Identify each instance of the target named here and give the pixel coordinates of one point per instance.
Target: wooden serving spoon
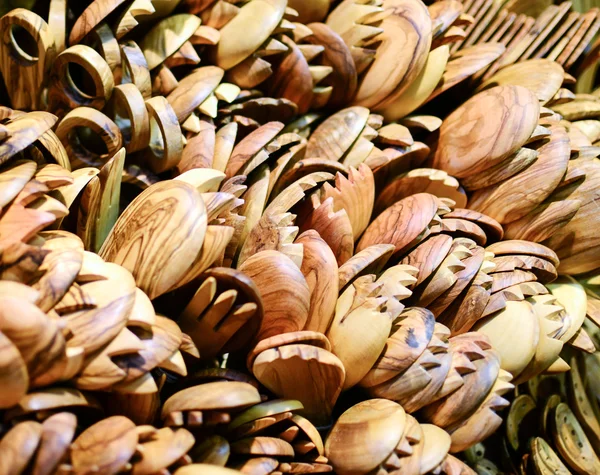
(283, 289)
(181, 210)
(364, 436)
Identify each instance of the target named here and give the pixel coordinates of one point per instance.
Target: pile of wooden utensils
(298, 236)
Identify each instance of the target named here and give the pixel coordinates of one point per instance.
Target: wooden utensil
(283, 289)
(376, 425)
(484, 153)
(313, 374)
(183, 211)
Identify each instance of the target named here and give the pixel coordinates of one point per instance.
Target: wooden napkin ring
(128, 110)
(134, 69)
(166, 140)
(94, 93)
(91, 122)
(26, 53)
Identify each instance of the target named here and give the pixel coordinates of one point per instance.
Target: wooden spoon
(496, 136)
(283, 289)
(180, 209)
(364, 436)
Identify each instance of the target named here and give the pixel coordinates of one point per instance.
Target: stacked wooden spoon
(276, 236)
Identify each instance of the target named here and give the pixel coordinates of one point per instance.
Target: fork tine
(219, 309)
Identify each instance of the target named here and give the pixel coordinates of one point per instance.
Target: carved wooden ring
(128, 111)
(134, 68)
(97, 122)
(25, 71)
(166, 141)
(95, 66)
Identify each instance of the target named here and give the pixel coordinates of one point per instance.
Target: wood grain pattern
(169, 218)
(576, 243)
(57, 21)
(250, 146)
(200, 149)
(292, 78)
(135, 68)
(166, 140)
(167, 36)
(66, 93)
(320, 270)
(127, 21)
(258, 20)
(166, 339)
(420, 180)
(409, 337)
(18, 446)
(100, 124)
(107, 445)
(371, 260)
(343, 79)
(541, 76)
(543, 222)
(163, 450)
(462, 403)
(61, 269)
(23, 130)
(503, 119)
(485, 421)
(283, 290)
(391, 73)
(517, 318)
(401, 223)
(359, 329)
(57, 433)
(99, 206)
(355, 194)
(103, 40)
(312, 375)
(91, 16)
(334, 137)
(372, 428)
(421, 88)
(128, 110)
(506, 203)
(506, 169)
(193, 89)
(212, 396)
(25, 75)
(571, 441)
(13, 178)
(334, 228)
(21, 224)
(13, 373)
(465, 63)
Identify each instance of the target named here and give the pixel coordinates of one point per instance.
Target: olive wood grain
(320, 270)
(167, 36)
(312, 375)
(181, 209)
(505, 118)
(25, 74)
(283, 289)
